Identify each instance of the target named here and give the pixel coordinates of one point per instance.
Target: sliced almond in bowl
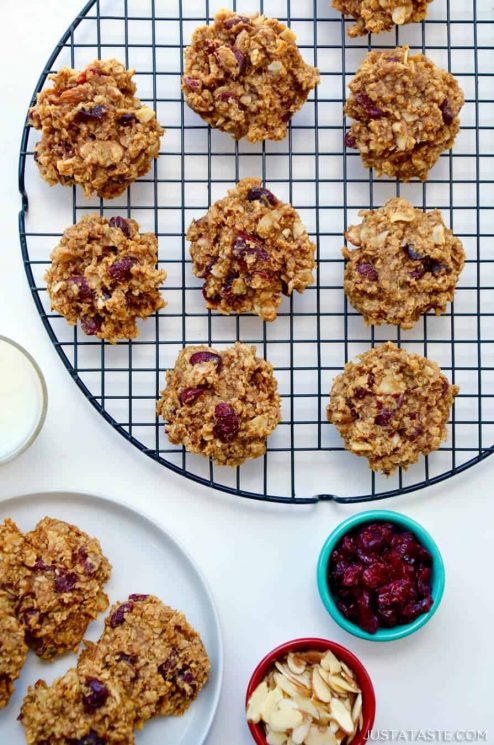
(296, 664)
(341, 715)
(343, 683)
(320, 687)
(256, 702)
(271, 702)
(284, 720)
(320, 736)
(299, 734)
(331, 663)
(308, 698)
(275, 738)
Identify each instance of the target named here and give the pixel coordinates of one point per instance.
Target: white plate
(145, 559)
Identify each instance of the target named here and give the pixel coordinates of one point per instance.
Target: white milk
(21, 400)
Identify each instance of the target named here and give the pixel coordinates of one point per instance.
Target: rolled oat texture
(405, 263)
(391, 407)
(13, 649)
(405, 112)
(103, 273)
(62, 591)
(94, 131)
(153, 654)
(78, 709)
(374, 16)
(223, 405)
(250, 249)
(245, 76)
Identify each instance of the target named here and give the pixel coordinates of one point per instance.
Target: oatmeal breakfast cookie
(391, 406)
(221, 404)
(245, 75)
(11, 567)
(62, 590)
(103, 272)
(95, 132)
(13, 649)
(151, 650)
(406, 113)
(374, 16)
(406, 263)
(250, 248)
(78, 709)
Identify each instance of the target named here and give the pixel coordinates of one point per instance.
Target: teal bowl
(438, 574)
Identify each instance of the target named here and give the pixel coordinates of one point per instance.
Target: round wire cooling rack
(317, 332)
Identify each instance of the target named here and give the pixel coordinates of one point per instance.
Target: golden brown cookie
(95, 132)
(13, 649)
(11, 568)
(374, 16)
(103, 272)
(63, 588)
(406, 113)
(221, 404)
(245, 75)
(250, 248)
(407, 262)
(153, 653)
(78, 709)
(391, 406)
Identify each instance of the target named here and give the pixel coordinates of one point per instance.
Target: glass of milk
(23, 399)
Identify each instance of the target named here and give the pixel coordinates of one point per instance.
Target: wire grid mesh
(317, 332)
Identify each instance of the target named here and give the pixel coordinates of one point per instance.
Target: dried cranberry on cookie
(221, 404)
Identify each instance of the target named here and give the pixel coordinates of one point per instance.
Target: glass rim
(44, 400)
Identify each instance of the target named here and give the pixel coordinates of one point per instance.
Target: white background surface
(259, 559)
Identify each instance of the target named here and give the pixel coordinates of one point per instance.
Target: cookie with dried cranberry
(11, 567)
(78, 709)
(221, 404)
(246, 76)
(103, 273)
(406, 113)
(391, 407)
(250, 248)
(95, 132)
(374, 16)
(154, 653)
(62, 590)
(13, 649)
(406, 263)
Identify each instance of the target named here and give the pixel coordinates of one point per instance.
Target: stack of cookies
(148, 662)
(51, 587)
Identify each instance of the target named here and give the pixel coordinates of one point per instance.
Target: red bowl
(298, 645)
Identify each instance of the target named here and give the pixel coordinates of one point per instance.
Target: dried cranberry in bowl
(376, 579)
(380, 575)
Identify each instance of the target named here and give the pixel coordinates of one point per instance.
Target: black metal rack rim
(154, 454)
